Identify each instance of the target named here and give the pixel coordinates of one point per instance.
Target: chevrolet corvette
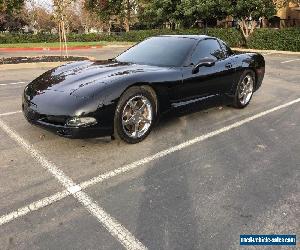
(124, 97)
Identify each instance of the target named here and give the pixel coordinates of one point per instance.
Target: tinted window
(209, 48)
(159, 51)
(226, 49)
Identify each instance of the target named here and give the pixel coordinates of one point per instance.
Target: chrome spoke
(145, 120)
(244, 99)
(129, 121)
(132, 105)
(142, 108)
(136, 130)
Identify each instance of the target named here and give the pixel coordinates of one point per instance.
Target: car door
(208, 80)
(231, 64)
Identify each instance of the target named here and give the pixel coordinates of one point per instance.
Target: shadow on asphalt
(166, 218)
(174, 115)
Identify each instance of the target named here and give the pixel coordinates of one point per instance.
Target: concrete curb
(283, 52)
(119, 46)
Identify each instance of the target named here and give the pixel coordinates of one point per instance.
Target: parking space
(22, 180)
(240, 175)
(208, 194)
(63, 225)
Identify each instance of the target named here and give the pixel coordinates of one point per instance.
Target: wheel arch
(161, 97)
(256, 63)
(242, 70)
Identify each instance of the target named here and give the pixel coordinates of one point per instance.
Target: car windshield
(159, 51)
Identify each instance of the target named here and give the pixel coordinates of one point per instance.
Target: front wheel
(244, 90)
(135, 114)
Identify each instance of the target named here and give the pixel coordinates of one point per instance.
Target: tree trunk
(60, 7)
(127, 16)
(109, 27)
(126, 25)
(65, 39)
(60, 39)
(247, 29)
(173, 25)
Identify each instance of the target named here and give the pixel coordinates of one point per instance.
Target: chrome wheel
(246, 90)
(137, 116)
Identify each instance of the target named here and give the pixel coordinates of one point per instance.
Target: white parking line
(113, 226)
(12, 83)
(294, 60)
(10, 113)
(181, 146)
(33, 207)
(122, 170)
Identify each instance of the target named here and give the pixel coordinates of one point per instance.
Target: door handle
(228, 65)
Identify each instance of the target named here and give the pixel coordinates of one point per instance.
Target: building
(289, 16)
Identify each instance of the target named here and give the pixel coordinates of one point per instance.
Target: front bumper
(56, 125)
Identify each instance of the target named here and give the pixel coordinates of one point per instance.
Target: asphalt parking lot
(197, 182)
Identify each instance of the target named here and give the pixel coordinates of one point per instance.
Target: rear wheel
(135, 114)
(244, 90)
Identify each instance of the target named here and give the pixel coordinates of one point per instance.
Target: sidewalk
(283, 52)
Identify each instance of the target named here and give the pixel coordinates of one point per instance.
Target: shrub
(6, 38)
(284, 39)
(272, 39)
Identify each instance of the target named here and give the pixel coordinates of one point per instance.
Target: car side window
(227, 51)
(209, 48)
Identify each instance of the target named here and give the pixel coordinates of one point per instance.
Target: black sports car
(124, 96)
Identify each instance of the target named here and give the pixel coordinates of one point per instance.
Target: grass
(56, 45)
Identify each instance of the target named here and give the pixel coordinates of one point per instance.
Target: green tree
(205, 10)
(126, 14)
(10, 18)
(163, 11)
(248, 12)
(105, 9)
(9, 6)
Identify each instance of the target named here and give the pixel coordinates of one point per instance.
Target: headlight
(81, 121)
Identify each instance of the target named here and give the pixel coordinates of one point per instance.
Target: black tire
(120, 131)
(238, 103)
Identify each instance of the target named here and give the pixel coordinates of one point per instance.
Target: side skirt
(192, 101)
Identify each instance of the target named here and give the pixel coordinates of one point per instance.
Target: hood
(83, 78)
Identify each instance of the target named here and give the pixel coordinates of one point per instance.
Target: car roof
(195, 37)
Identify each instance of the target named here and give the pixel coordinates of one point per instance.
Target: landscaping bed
(38, 59)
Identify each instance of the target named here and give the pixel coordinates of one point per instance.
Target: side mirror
(206, 62)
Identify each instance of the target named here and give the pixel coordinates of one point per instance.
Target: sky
(47, 4)
(44, 3)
